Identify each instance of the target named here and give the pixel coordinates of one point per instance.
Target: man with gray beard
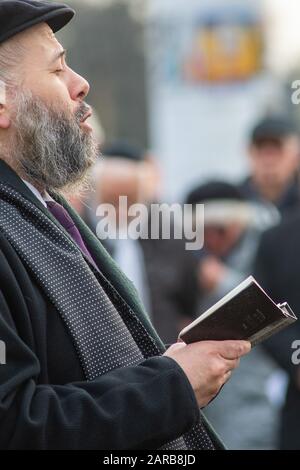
(81, 354)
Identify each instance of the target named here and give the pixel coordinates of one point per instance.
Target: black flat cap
(18, 15)
(123, 149)
(273, 128)
(213, 191)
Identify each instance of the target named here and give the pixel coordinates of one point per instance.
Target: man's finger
(231, 363)
(234, 349)
(227, 376)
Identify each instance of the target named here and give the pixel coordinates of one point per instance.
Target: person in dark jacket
(274, 164)
(277, 268)
(81, 353)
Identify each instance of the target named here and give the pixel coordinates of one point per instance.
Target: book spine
(270, 330)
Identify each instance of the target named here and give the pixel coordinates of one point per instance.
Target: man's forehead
(48, 35)
(47, 32)
(42, 36)
(119, 166)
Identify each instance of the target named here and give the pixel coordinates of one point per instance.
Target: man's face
(118, 178)
(221, 239)
(51, 144)
(46, 74)
(275, 162)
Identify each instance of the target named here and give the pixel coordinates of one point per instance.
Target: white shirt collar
(42, 199)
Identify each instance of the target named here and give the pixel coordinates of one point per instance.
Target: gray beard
(49, 148)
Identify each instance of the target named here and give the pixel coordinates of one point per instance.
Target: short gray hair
(10, 55)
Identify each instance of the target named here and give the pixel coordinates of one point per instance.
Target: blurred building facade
(209, 80)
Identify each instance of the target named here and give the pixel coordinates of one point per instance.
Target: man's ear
(4, 113)
(4, 117)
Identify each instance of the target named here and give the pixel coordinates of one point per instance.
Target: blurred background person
(274, 164)
(232, 231)
(244, 415)
(278, 269)
(160, 269)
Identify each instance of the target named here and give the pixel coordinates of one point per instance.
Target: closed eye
(60, 56)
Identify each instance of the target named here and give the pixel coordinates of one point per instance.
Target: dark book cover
(246, 313)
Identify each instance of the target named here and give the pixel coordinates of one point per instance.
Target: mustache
(82, 110)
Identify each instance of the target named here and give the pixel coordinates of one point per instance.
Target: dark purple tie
(63, 217)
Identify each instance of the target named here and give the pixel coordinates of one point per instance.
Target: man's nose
(79, 87)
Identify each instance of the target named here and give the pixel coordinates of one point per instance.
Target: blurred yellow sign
(224, 52)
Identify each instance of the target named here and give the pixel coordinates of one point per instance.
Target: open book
(245, 313)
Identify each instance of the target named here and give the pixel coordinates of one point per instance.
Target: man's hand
(208, 364)
(210, 273)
